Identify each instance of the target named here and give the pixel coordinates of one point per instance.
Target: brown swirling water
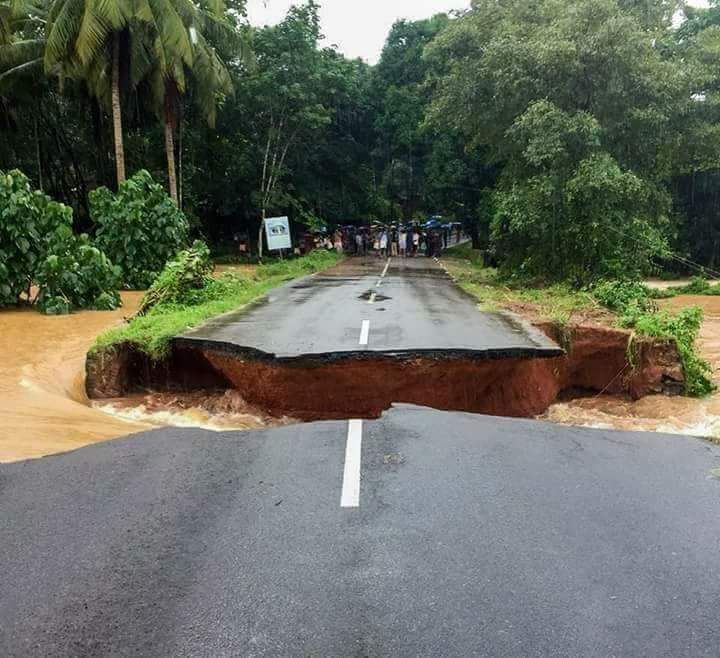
(43, 405)
(682, 415)
(44, 409)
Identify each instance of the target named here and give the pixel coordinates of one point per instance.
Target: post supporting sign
(277, 230)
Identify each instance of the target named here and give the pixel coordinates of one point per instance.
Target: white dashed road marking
(384, 272)
(351, 476)
(364, 332)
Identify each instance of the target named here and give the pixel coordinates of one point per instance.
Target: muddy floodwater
(44, 409)
(657, 412)
(43, 406)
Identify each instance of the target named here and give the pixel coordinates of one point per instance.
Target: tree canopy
(577, 139)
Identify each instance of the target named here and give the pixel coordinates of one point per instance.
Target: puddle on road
(378, 297)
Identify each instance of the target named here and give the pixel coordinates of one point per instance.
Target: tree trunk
(170, 148)
(260, 234)
(38, 155)
(116, 111)
(180, 158)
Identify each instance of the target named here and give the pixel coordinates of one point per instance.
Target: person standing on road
(359, 243)
(384, 243)
(394, 241)
(402, 242)
(415, 242)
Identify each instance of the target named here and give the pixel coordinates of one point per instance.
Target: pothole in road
(375, 295)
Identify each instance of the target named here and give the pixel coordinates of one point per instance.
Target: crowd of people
(404, 241)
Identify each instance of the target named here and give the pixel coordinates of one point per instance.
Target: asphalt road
(465, 535)
(396, 306)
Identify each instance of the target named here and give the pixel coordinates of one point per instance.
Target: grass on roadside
(557, 302)
(628, 304)
(153, 332)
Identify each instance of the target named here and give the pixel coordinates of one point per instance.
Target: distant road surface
(423, 533)
(369, 305)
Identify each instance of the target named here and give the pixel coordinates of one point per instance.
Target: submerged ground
(44, 409)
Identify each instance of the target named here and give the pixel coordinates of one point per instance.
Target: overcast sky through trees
(358, 27)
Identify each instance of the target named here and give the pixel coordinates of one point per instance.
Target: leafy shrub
(632, 301)
(181, 279)
(619, 295)
(37, 245)
(139, 228)
(697, 286)
(683, 327)
(27, 218)
(75, 274)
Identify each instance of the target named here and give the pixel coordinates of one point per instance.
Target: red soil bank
(364, 386)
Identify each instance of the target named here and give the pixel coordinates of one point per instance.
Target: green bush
(684, 328)
(697, 286)
(632, 301)
(181, 279)
(75, 274)
(27, 217)
(37, 245)
(619, 295)
(139, 228)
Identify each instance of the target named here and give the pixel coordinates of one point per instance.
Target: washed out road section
(372, 306)
(472, 536)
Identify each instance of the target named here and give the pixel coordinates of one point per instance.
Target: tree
(179, 46)
(91, 41)
(401, 95)
(556, 93)
(285, 89)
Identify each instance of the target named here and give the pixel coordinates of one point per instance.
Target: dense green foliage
(181, 278)
(683, 327)
(620, 295)
(577, 139)
(25, 217)
(139, 228)
(633, 303)
(37, 246)
(75, 274)
(152, 332)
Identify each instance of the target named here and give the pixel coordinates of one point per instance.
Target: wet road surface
(396, 306)
(422, 533)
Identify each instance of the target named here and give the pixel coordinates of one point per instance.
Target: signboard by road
(277, 230)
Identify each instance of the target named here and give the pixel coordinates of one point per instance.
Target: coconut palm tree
(182, 49)
(21, 40)
(91, 39)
